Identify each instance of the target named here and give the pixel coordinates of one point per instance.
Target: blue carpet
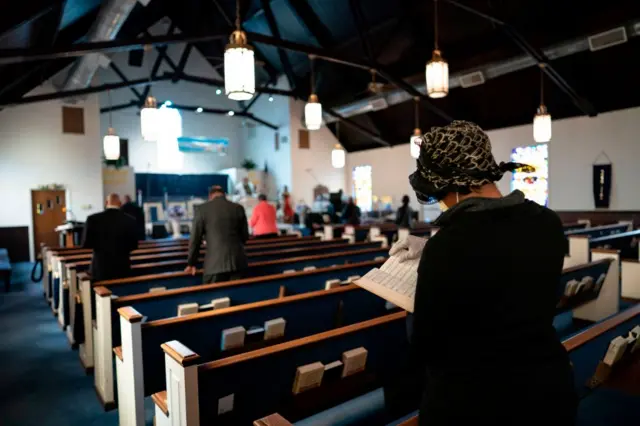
(41, 380)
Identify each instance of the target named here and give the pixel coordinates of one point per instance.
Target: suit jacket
(137, 213)
(224, 224)
(112, 236)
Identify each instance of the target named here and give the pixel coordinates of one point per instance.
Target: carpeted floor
(41, 380)
(43, 384)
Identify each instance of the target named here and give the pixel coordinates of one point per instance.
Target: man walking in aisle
(225, 225)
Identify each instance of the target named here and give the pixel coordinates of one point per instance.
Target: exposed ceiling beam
(124, 78)
(23, 13)
(220, 111)
(220, 83)
(80, 92)
(133, 103)
(538, 55)
(284, 58)
(183, 60)
(310, 20)
(358, 20)
(357, 127)
(162, 54)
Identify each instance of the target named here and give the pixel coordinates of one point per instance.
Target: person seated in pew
(351, 213)
(263, 219)
(483, 343)
(112, 236)
(225, 225)
(403, 215)
(136, 212)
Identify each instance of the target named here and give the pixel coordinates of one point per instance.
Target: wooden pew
(174, 261)
(255, 383)
(103, 334)
(578, 241)
(305, 314)
(586, 350)
(574, 226)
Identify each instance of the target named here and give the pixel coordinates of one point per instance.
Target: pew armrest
(102, 291)
(160, 399)
(130, 314)
(272, 420)
(180, 353)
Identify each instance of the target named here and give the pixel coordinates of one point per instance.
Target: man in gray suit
(225, 225)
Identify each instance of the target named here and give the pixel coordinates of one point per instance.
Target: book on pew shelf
(329, 284)
(354, 361)
(332, 371)
(309, 268)
(615, 351)
(289, 271)
(352, 278)
(394, 281)
(223, 302)
(188, 309)
(274, 328)
(600, 281)
(587, 282)
(157, 289)
(308, 377)
(571, 287)
(636, 331)
(232, 338)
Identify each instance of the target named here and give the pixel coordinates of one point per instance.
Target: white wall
(143, 155)
(259, 144)
(34, 151)
(312, 166)
(575, 145)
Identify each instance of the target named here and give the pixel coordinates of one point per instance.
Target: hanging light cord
(109, 96)
(313, 75)
(338, 130)
(238, 15)
(541, 84)
(435, 23)
(416, 113)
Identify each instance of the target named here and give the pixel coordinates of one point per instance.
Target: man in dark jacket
(351, 213)
(112, 236)
(404, 213)
(226, 228)
(483, 340)
(135, 211)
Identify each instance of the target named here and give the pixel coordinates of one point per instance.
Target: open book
(394, 282)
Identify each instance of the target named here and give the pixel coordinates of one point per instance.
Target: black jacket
(483, 332)
(226, 229)
(112, 236)
(403, 216)
(136, 212)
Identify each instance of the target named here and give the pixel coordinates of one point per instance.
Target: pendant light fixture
(149, 121)
(239, 64)
(542, 119)
(416, 138)
(437, 71)
(111, 141)
(338, 156)
(313, 108)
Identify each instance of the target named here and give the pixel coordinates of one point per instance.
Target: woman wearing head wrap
(482, 330)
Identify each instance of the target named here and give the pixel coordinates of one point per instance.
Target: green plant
(248, 164)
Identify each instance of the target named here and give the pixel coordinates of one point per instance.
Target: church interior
(315, 110)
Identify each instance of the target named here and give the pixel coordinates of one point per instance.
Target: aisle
(42, 382)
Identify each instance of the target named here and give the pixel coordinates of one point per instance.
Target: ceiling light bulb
(270, 98)
(218, 91)
(313, 113)
(338, 157)
(414, 143)
(437, 75)
(239, 68)
(542, 125)
(231, 113)
(199, 110)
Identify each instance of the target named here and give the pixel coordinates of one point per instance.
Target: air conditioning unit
(472, 79)
(372, 105)
(608, 39)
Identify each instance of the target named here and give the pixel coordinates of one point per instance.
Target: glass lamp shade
(313, 113)
(414, 143)
(542, 125)
(338, 157)
(111, 145)
(149, 120)
(239, 68)
(169, 122)
(437, 75)
(169, 155)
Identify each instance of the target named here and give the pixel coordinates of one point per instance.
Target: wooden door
(48, 209)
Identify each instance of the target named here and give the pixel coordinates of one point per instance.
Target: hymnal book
(395, 281)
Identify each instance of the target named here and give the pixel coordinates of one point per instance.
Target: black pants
(272, 235)
(222, 276)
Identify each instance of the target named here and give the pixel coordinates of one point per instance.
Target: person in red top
(263, 219)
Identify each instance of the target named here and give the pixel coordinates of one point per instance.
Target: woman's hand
(408, 248)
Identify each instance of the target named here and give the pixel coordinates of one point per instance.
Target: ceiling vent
(472, 79)
(608, 39)
(375, 104)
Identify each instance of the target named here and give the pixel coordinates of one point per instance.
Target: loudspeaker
(136, 57)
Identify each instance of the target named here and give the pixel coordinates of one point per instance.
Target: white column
(608, 301)
(181, 369)
(130, 370)
(46, 267)
(73, 286)
(103, 348)
(86, 348)
(64, 282)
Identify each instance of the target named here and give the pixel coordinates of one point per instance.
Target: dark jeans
(272, 235)
(222, 276)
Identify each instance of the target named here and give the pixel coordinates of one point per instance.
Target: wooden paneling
(599, 217)
(48, 209)
(16, 240)
(303, 139)
(73, 120)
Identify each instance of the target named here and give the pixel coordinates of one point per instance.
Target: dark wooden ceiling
(395, 34)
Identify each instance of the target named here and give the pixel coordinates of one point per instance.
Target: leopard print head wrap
(454, 157)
